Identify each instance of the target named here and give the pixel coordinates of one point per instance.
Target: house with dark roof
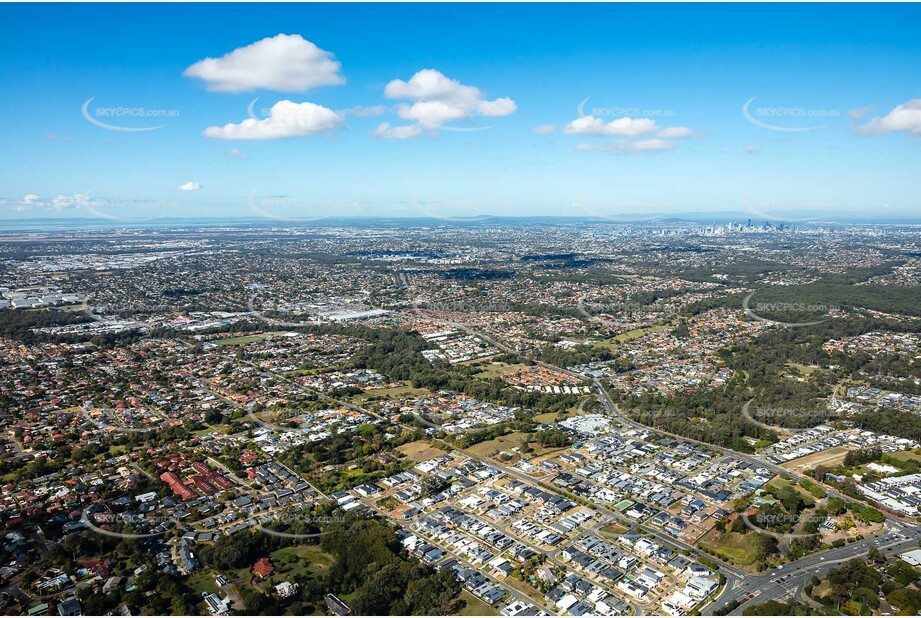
(70, 607)
(336, 605)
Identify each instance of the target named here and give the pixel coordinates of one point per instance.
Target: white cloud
(438, 99)
(904, 117)
(433, 85)
(59, 202)
(595, 147)
(649, 145)
(285, 62)
(678, 133)
(234, 152)
(860, 113)
(500, 107)
(644, 145)
(626, 126)
(432, 113)
(65, 202)
(189, 186)
(544, 129)
(27, 202)
(286, 119)
(362, 111)
(405, 132)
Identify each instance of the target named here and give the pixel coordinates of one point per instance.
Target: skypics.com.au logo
(783, 118)
(787, 307)
(122, 118)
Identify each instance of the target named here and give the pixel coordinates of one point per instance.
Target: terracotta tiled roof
(263, 567)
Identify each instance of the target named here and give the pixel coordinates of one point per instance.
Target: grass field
(420, 451)
(523, 587)
(781, 483)
(203, 581)
(550, 417)
(311, 371)
(830, 458)
(388, 504)
(397, 391)
(906, 456)
(475, 607)
(736, 546)
(497, 369)
(242, 340)
(240, 578)
(506, 443)
(630, 336)
(490, 448)
(218, 429)
(613, 531)
(806, 370)
(294, 561)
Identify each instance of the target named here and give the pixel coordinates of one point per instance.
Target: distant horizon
(701, 218)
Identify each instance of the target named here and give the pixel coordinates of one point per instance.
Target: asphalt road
(787, 580)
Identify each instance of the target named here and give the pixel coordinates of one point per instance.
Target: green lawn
(395, 392)
(737, 547)
(631, 335)
(475, 607)
(550, 417)
(293, 561)
(906, 456)
(203, 581)
(613, 531)
(311, 371)
(241, 340)
(779, 483)
(494, 369)
(506, 443)
(805, 370)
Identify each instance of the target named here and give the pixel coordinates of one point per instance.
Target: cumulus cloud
(905, 117)
(189, 186)
(643, 145)
(27, 202)
(649, 145)
(384, 131)
(285, 119)
(544, 129)
(432, 113)
(626, 126)
(678, 133)
(285, 62)
(634, 131)
(362, 111)
(437, 99)
(66, 202)
(85, 201)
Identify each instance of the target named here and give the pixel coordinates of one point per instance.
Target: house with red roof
(263, 567)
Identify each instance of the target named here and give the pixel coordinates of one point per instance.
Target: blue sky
(662, 130)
